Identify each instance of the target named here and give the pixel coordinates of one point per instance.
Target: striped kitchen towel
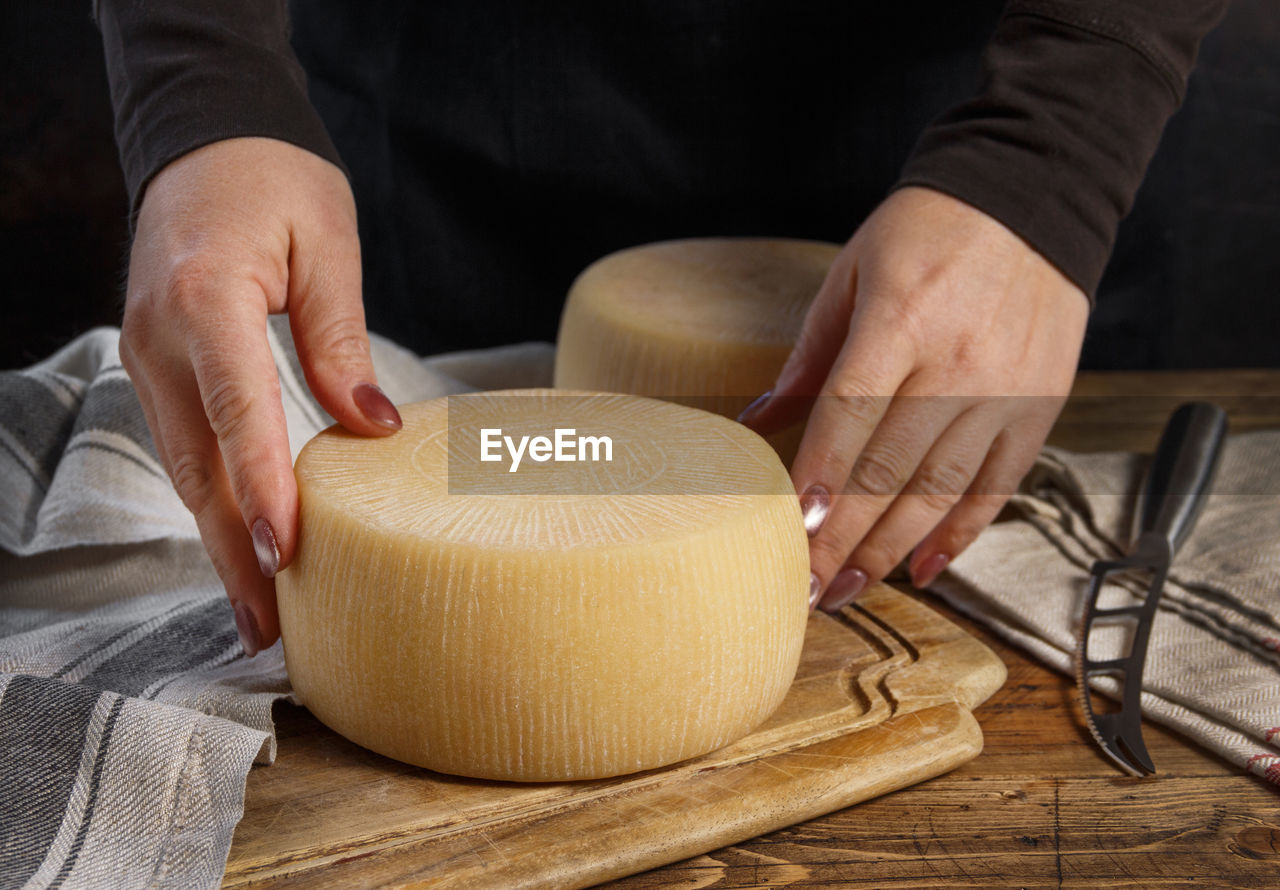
(129, 716)
(1213, 662)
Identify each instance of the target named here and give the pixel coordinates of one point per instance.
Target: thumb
(822, 336)
(326, 315)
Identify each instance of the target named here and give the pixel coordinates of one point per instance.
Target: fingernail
(815, 503)
(375, 405)
(750, 412)
(247, 628)
(815, 590)
(844, 587)
(265, 548)
(924, 574)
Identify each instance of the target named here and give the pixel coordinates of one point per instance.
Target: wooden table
(1040, 807)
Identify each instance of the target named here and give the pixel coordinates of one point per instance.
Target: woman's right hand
(226, 235)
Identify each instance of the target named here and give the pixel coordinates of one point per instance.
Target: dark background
(1194, 282)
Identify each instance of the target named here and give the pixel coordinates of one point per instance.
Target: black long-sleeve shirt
(495, 148)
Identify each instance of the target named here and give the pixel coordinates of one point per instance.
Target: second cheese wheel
(568, 620)
(706, 322)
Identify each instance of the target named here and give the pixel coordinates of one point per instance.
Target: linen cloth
(129, 716)
(1213, 660)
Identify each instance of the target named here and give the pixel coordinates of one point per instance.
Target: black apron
(497, 148)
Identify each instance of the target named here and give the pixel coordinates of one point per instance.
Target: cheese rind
(705, 322)
(596, 625)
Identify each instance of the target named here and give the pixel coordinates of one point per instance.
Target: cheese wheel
(572, 619)
(704, 322)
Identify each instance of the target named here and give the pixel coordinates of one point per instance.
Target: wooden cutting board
(882, 700)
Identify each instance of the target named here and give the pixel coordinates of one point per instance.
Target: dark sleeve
(185, 73)
(1073, 99)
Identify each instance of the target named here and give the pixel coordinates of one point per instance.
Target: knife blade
(1173, 493)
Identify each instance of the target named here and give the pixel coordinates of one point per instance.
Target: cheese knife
(1173, 493)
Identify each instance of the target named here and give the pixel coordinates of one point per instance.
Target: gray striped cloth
(129, 716)
(1213, 660)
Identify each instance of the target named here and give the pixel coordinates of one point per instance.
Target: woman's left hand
(941, 348)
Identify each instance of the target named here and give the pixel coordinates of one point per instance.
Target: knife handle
(1181, 472)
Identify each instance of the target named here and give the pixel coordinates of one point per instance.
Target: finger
(327, 319)
(936, 487)
(872, 362)
(806, 368)
(189, 452)
(240, 392)
(142, 388)
(199, 475)
(897, 449)
(1012, 454)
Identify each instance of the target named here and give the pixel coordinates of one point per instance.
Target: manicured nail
(375, 405)
(265, 548)
(815, 503)
(247, 627)
(844, 587)
(924, 574)
(815, 590)
(750, 412)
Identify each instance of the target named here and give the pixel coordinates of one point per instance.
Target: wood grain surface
(881, 701)
(1040, 807)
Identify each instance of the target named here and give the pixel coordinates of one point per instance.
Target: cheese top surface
(743, 290)
(673, 471)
